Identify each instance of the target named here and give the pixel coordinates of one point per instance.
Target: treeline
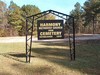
(13, 17)
(87, 17)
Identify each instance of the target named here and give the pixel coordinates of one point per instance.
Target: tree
(3, 19)
(91, 12)
(28, 10)
(49, 17)
(77, 13)
(2, 12)
(14, 17)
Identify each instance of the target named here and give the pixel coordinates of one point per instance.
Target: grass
(49, 58)
(11, 47)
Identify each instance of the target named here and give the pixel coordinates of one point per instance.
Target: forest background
(13, 18)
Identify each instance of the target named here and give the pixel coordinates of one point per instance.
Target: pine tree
(77, 13)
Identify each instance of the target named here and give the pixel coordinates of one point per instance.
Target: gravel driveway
(22, 39)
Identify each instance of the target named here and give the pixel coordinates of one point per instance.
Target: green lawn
(49, 58)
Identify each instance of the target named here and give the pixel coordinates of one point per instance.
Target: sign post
(50, 29)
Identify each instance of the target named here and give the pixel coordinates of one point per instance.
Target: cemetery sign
(50, 29)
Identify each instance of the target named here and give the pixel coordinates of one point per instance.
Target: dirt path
(22, 39)
(11, 39)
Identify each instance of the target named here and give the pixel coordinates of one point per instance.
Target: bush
(8, 32)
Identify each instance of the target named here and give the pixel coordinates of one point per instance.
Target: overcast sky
(64, 6)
